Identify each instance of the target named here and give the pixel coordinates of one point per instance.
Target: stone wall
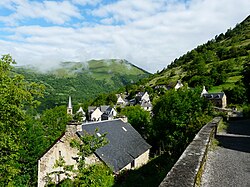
(47, 161)
(142, 159)
(61, 148)
(186, 170)
(138, 162)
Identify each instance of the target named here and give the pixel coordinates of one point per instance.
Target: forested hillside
(217, 64)
(82, 81)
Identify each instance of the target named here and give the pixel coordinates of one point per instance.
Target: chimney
(73, 127)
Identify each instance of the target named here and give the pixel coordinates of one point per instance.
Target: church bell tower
(69, 108)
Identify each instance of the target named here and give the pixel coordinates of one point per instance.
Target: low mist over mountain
(82, 80)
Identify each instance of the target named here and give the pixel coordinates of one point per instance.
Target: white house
(120, 100)
(178, 85)
(146, 105)
(109, 112)
(126, 149)
(82, 114)
(95, 114)
(142, 96)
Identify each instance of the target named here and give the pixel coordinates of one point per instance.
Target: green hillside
(83, 81)
(218, 64)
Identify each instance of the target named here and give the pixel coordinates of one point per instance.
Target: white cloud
(52, 11)
(129, 10)
(153, 33)
(86, 2)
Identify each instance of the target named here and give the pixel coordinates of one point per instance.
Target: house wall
(142, 159)
(120, 101)
(138, 162)
(145, 97)
(61, 147)
(47, 161)
(224, 101)
(149, 109)
(113, 112)
(96, 115)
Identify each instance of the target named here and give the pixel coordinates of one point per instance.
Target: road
(228, 165)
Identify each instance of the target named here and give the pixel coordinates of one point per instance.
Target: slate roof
(104, 108)
(125, 143)
(140, 94)
(216, 96)
(91, 109)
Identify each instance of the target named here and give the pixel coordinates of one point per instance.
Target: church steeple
(69, 108)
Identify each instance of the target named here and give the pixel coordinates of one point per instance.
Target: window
(57, 178)
(60, 154)
(133, 164)
(98, 134)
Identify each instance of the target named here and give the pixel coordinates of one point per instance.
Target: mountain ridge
(83, 81)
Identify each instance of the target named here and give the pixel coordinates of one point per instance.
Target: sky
(147, 33)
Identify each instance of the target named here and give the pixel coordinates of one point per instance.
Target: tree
(237, 94)
(88, 144)
(54, 122)
(92, 175)
(139, 119)
(111, 99)
(16, 95)
(246, 78)
(178, 115)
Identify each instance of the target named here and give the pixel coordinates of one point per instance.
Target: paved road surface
(229, 163)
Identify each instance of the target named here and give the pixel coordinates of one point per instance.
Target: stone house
(126, 149)
(218, 99)
(60, 148)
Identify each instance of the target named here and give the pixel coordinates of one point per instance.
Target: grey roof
(91, 109)
(139, 95)
(109, 109)
(125, 143)
(104, 108)
(218, 95)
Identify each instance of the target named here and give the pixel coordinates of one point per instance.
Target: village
(126, 149)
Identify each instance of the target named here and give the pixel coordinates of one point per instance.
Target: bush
(246, 111)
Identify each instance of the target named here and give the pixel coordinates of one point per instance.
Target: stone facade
(138, 162)
(61, 148)
(47, 161)
(124, 143)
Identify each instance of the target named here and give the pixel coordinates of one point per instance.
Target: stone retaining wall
(187, 169)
